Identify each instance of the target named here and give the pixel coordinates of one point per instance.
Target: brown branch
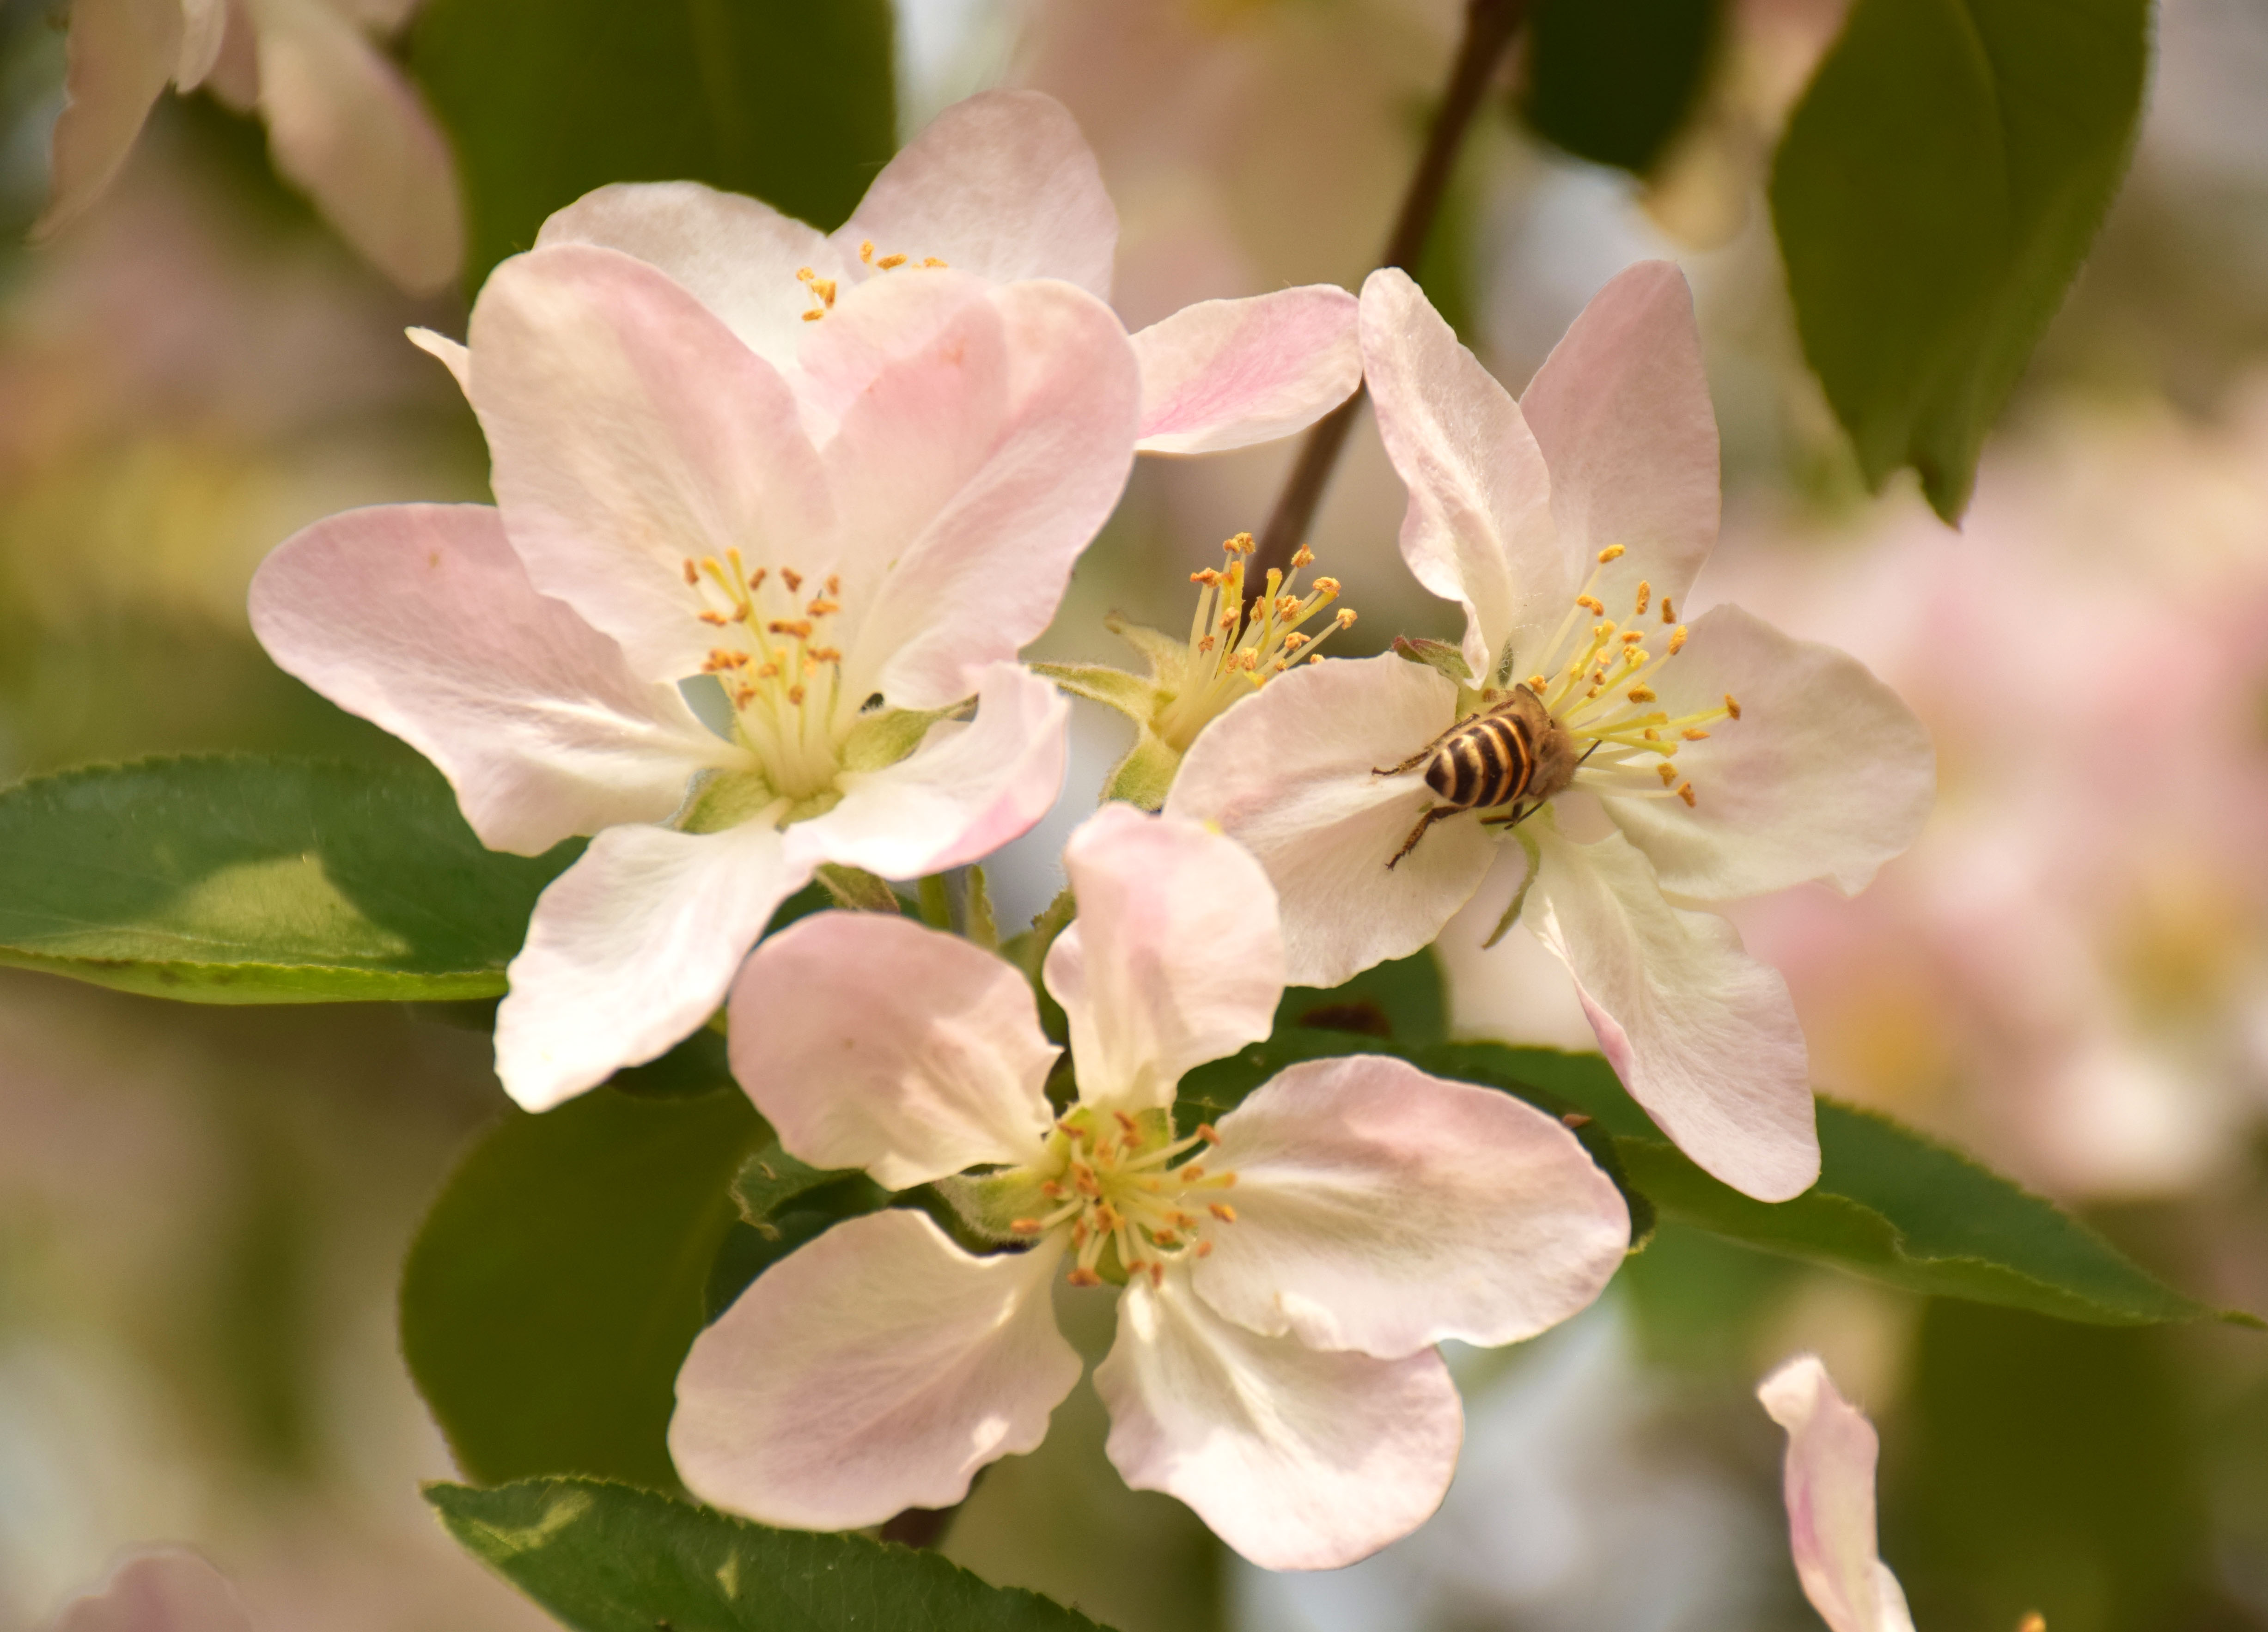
(1490, 25)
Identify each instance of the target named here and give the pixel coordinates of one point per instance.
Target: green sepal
(725, 800)
(1519, 896)
(1438, 655)
(990, 1204)
(1145, 775)
(856, 890)
(771, 1178)
(983, 929)
(879, 740)
(1137, 698)
(1167, 657)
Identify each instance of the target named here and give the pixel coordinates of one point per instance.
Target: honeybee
(1511, 752)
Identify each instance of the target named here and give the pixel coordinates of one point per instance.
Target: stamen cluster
(822, 290)
(779, 661)
(1129, 1209)
(1234, 649)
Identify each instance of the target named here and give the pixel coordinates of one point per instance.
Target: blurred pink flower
(342, 122)
(1829, 1485)
(663, 516)
(1275, 1365)
(1733, 763)
(166, 1590)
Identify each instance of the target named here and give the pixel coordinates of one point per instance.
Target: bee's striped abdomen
(1487, 762)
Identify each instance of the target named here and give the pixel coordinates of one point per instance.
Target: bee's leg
(1520, 814)
(1425, 752)
(1434, 813)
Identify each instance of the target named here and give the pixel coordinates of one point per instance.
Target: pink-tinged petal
(204, 26)
(631, 949)
(1382, 1210)
(1702, 1034)
(1299, 1458)
(1288, 774)
(1174, 958)
(738, 255)
(965, 792)
(345, 125)
(419, 618)
(971, 472)
(118, 56)
(1002, 185)
(1829, 1485)
(868, 1040)
(1826, 775)
(1479, 529)
(630, 431)
(873, 1371)
(449, 353)
(1227, 373)
(164, 1589)
(1621, 409)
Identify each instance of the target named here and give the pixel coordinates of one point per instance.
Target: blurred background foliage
(203, 1212)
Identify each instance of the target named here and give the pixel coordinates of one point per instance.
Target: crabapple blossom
(1830, 1486)
(343, 123)
(1275, 1365)
(1663, 764)
(664, 519)
(1001, 186)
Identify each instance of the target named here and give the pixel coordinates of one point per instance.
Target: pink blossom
(1830, 1486)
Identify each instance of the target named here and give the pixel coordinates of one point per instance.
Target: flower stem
(1490, 27)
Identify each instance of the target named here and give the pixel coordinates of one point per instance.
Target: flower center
(822, 290)
(1234, 649)
(1128, 1209)
(1601, 697)
(774, 660)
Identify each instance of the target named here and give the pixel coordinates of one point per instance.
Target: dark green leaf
(1935, 192)
(696, 1066)
(1612, 81)
(545, 99)
(606, 1559)
(771, 1178)
(1402, 1001)
(553, 1290)
(240, 879)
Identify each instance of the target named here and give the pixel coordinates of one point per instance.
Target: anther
(1204, 1249)
(1640, 694)
(795, 696)
(793, 579)
(1206, 1132)
(1084, 1277)
(1668, 773)
(890, 263)
(1631, 637)
(1693, 733)
(1645, 594)
(1731, 707)
(1685, 792)
(867, 250)
(1613, 551)
(1590, 604)
(1023, 1226)
(1677, 640)
(1223, 1211)
(798, 627)
(1651, 735)
(932, 261)
(692, 573)
(1241, 544)
(1327, 588)
(715, 619)
(1126, 1124)
(834, 582)
(1536, 683)
(1191, 1174)
(1347, 617)
(1303, 557)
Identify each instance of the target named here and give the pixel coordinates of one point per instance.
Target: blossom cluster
(776, 513)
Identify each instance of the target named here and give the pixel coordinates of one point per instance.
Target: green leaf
(242, 879)
(1402, 1001)
(1936, 190)
(771, 1178)
(1612, 81)
(606, 1559)
(552, 1292)
(545, 99)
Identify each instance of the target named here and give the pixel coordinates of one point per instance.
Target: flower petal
(868, 1040)
(1002, 185)
(1227, 373)
(1174, 958)
(119, 56)
(1826, 774)
(420, 618)
(965, 792)
(1299, 1458)
(630, 431)
(1702, 1034)
(1479, 529)
(163, 1590)
(1382, 1210)
(631, 949)
(875, 1370)
(449, 354)
(204, 26)
(1621, 409)
(1288, 774)
(970, 473)
(1831, 1451)
(738, 255)
(344, 124)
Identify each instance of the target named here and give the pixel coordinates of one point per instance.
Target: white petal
(1621, 409)
(164, 1589)
(347, 125)
(738, 255)
(419, 618)
(630, 950)
(204, 25)
(1383, 1210)
(873, 1371)
(630, 431)
(1227, 373)
(1001, 184)
(965, 792)
(868, 1040)
(1702, 1034)
(1479, 529)
(119, 54)
(1826, 774)
(1288, 774)
(1174, 958)
(1299, 1458)
(449, 353)
(1829, 1480)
